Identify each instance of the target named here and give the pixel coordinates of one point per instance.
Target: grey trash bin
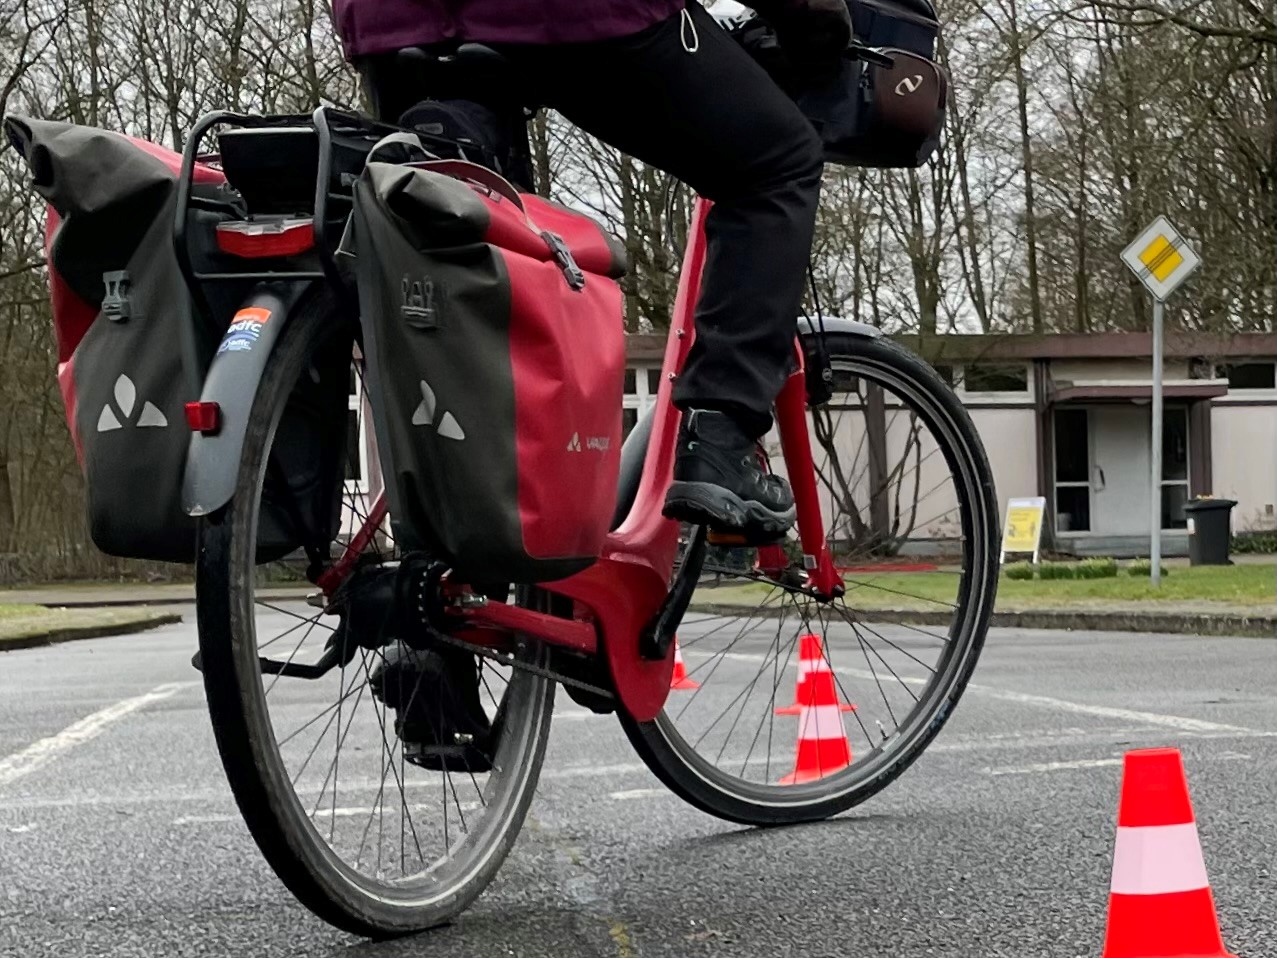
(1209, 531)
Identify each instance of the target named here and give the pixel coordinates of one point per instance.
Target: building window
(642, 383)
(1174, 467)
(1072, 471)
(978, 378)
(357, 430)
(1248, 375)
(996, 378)
(354, 436)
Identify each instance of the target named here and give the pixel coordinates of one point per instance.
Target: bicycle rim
(917, 558)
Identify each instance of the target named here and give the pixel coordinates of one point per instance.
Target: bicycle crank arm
(331, 659)
(289, 670)
(657, 638)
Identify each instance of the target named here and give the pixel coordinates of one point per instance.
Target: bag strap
(399, 138)
(465, 170)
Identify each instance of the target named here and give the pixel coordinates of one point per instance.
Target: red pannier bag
(494, 338)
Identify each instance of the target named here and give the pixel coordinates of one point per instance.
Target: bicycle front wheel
(911, 517)
(348, 814)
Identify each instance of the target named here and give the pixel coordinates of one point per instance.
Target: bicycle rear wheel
(911, 516)
(368, 840)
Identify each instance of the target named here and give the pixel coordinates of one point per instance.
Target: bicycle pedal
(448, 758)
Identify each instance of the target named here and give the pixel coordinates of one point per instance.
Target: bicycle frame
(617, 598)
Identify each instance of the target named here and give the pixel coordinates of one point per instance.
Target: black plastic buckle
(115, 304)
(858, 51)
(563, 256)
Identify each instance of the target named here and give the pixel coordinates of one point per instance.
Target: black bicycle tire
(241, 721)
(662, 758)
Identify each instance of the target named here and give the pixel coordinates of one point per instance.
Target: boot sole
(705, 504)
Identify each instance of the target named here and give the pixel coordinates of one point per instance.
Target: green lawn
(17, 610)
(21, 623)
(1241, 585)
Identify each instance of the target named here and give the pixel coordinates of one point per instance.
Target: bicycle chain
(431, 613)
(514, 663)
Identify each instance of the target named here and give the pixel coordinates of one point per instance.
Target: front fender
(849, 327)
(212, 462)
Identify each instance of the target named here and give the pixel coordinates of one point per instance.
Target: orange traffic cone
(680, 681)
(1160, 905)
(811, 658)
(822, 741)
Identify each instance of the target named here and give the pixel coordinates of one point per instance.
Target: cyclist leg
(685, 98)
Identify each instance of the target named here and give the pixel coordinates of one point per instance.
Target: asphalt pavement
(118, 834)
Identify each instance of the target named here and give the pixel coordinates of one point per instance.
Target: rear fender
(212, 463)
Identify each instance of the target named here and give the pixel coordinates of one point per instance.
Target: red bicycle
(890, 478)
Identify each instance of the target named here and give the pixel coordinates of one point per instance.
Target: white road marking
(1054, 766)
(572, 715)
(38, 754)
(633, 793)
(1199, 726)
(355, 812)
(1177, 722)
(1085, 763)
(222, 818)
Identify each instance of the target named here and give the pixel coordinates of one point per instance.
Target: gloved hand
(813, 33)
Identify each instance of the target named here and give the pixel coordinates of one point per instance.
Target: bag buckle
(115, 304)
(563, 256)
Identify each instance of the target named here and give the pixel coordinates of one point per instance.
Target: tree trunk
(1026, 157)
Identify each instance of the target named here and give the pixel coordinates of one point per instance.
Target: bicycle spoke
(288, 738)
(305, 620)
(769, 713)
(741, 696)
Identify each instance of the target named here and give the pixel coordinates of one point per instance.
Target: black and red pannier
(494, 336)
(118, 304)
(119, 307)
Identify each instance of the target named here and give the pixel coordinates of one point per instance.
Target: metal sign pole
(1162, 259)
(1155, 443)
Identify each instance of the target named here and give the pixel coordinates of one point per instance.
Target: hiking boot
(719, 482)
(438, 715)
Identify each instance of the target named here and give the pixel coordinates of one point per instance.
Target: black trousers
(686, 99)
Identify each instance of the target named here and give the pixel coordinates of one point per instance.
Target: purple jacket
(380, 26)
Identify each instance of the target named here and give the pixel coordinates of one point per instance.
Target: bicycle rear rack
(342, 141)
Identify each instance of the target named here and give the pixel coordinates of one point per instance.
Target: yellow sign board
(1023, 530)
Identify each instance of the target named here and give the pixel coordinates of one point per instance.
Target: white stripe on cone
(807, 666)
(1158, 860)
(821, 722)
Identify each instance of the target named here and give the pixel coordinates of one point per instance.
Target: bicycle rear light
(261, 239)
(203, 417)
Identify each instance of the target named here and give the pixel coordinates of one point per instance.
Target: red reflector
(203, 417)
(258, 239)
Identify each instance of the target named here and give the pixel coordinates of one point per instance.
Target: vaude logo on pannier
(125, 400)
(424, 415)
(909, 85)
(592, 443)
(418, 307)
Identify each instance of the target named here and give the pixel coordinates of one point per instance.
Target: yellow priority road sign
(1161, 258)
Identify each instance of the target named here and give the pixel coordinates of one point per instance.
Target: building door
(1072, 470)
(1119, 470)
